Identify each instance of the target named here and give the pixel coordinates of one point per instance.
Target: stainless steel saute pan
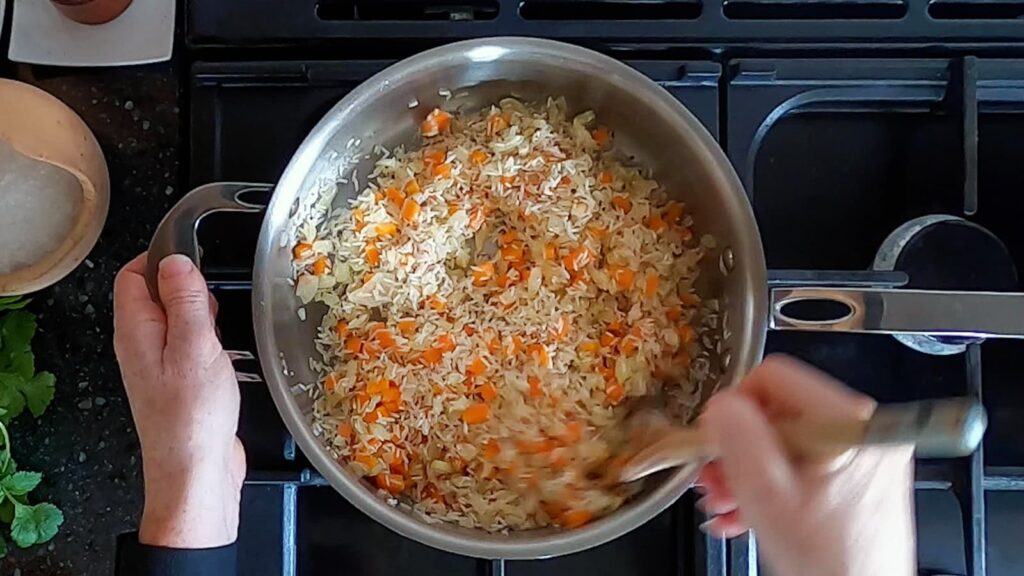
(648, 123)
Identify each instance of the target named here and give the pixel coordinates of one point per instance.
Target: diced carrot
(491, 450)
(378, 196)
(685, 234)
(376, 387)
(686, 333)
(482, 273)
(591, 347)
(436, 303)
(574, 518)
(540, 355)
(391, 394)
(614, 393)
(488, 392)
(341, 329)
(395, 196)
(412, 188)
(673, 212)
(577, 259)
(496, 123)
(507, 237)
(651, 285)
(301, 250)
(393, 483)
(368, 461)
(573, 433)
(476, 218)
(607, 339)
(330, 383)
(436, 122)
(320, 266)
(493, 345)
(507, 180)
(385, 339)
(386, 229)
(536, 446)
(433, 157)
(535, 389)
(601, 135)
(371, 349)
(406, 327)
(345, 430)
(598, 232)
(623, 276)
(353, 345)
(478, 157)
(431, 356)
(476, 413)
(689, 299)
(503, 280)
(362, 400)
(410, 210)
(615, 327)
(656, 223)
(512, 253)
(674, 313)
(469, 330)
(550, 251)
(623, 203)
(372, 255)
(445, 343)
(477, 366)
(628, 346)
(604, 177)
(377, 413)
(359, 217)
(517, 345)
(443, 170)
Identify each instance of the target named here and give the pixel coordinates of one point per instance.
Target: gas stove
(845, 121)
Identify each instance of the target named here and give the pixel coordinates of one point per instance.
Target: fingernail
(705, 526)
(175, 265)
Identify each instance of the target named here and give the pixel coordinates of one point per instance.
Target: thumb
(756, 468)
(186, 302)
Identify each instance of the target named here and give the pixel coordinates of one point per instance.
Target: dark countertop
(85, 443)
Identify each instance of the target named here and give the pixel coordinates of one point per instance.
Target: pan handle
(899, 311)
(176, 233)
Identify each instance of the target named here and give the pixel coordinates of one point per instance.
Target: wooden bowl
(43, 128)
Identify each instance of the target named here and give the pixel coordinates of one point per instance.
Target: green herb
(30, 523)
(20, 385)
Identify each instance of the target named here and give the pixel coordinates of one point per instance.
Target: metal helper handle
(898, 311)
(176, 233)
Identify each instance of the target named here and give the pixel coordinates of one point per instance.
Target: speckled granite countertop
(85, 444)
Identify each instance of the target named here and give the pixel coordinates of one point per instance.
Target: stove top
(835, 153)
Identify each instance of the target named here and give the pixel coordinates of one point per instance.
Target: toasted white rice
(476, 367)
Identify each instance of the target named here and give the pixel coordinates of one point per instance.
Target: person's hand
(184, 399)
(851, 515)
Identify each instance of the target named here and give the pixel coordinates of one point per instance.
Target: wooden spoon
(946, 428)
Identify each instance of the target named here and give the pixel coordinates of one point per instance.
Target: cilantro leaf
(17, 329)
(13, 303)
(23, 363)
(7, 512)
(38, 392)
(12, 401)
(35, 524)
(20, 483)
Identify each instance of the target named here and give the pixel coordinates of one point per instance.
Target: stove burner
(942, 252)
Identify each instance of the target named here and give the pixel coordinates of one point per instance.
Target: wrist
(190, 510)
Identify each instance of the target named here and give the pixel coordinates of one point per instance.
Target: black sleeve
(134, 559)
